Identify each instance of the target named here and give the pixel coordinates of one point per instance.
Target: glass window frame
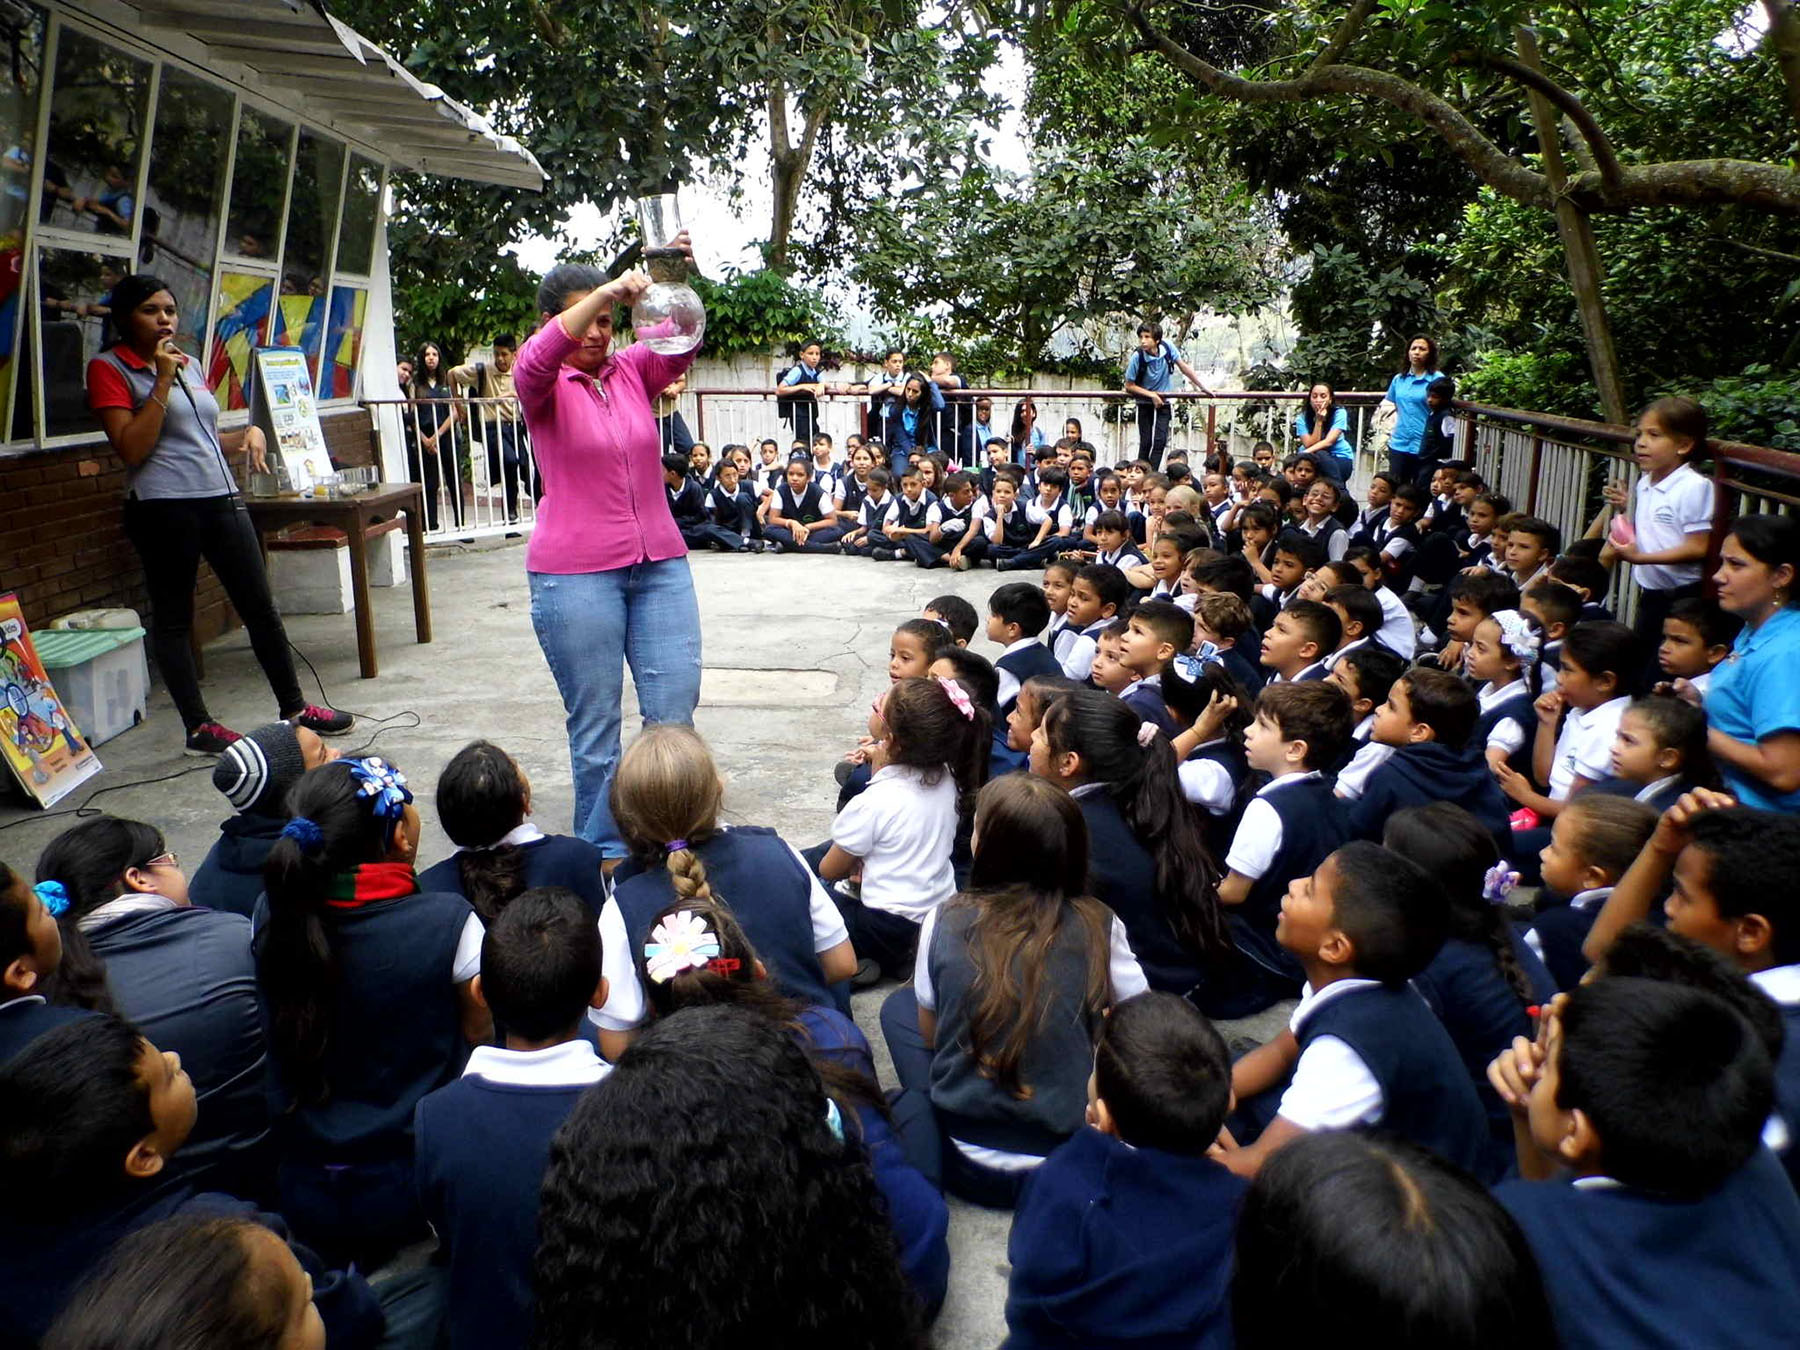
(37, 237)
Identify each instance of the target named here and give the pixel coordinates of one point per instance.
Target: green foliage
(1759, 406)
(757, 311)
(1550, 382)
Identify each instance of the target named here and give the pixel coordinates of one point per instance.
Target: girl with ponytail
(666, 798)
(366, 982)
(1485, 976)
(698, 955)
(1158, 877)
(484, 805)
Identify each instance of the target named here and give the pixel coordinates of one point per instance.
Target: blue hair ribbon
(383, 784)
(54, 896)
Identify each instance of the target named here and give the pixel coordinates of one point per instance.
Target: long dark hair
(1456, 851)
(90, 861)
(926, 730)
(480, 800)
(1027, 882)
(423, 379)
(1021, 435)
(698, 1196)
(1313, 415)
(296, 964)
(1141, 780)
(132, 290)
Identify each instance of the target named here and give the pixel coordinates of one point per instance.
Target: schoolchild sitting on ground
(1296, 644)
(868, 531)
(1696, 637)
(1320, 523)
(1113, 543)
(1359, 620)
(1222, 622)
(1123, 1237)
(929, 759)
(1366, 675)
(1429, 719)
(1374, 512)
(669, 791)
(1476, 548)
(687, 499)
(696, 954)
(800, 515)
(30, 951)
(1288, 828)
(1396, 539)
(483, 1142)
(1485, 979)
(956, 614)
(1109, 674)
(998, 1048)
(1653, 1097)
(132, 944)
(1168, 557)
(1340, 1221)
(1294, 558)
(955, 538)
(1588, 578)
(91, 1116)
(1257, 527)
(254, 774)
(851, 488)
(366, 986)
(1659, 754)
(1035, 697)
(1009, 528)
(731, 507)
(1059, 580)
(1017, 614)
(1592, 844)
(1363, 1049)
(1155, 874)
(1099, 594)
(913, 516)
(1503, 660)
(1053, 526)
(1531, 545)
(977, 674)
(1736, 875)
(1557, 609)
(484, 805)
(1155, 634)
(910, 650)
(1398, 630)
(1211, 709)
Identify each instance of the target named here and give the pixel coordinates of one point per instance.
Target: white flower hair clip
(1518, 634)
(679, 943)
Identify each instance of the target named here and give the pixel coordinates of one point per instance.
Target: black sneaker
(324, 721)
(210, 738)
(884, 555)
(868, 975)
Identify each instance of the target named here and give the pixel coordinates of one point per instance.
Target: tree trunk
(788, 163)
(1784, 41)
(1580, 252)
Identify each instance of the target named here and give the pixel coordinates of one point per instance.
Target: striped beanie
(256, 770)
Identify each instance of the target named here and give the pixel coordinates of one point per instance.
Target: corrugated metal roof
(296, 46)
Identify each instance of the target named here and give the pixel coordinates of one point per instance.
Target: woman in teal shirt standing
(1406, 395)
(1753, 699)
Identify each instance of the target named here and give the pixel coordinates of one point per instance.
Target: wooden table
(353, 515)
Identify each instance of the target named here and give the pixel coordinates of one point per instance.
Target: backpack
(785, 407)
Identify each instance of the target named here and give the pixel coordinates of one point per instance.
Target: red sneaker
(324, 721)
(210, 738)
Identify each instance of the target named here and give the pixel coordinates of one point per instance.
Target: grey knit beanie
(256, 770)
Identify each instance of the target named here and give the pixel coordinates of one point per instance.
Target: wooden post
(1580, 253)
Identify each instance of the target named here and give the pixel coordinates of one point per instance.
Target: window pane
(19, 88)
(299, 322)
(312, 219)
(243, 304)
(343, 342)
(184, 195)
(98, 104)
(362, 198)
(74, 294)
(258, 184)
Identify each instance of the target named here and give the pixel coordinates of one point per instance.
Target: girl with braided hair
(366, 983)
(1484, 978)
(666, 798)
(697, 955)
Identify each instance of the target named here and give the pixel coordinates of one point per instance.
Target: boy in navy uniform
(1099, 591)
(1155, 634)
(483, 1142)
(1297, 643)
(1017, 613)
(1364, 1049)
(1657, 1217)
(914, 516)
(1123, 1236)
(1009, 528)
(956, 523)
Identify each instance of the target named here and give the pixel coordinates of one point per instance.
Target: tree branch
(1347, 33)
(1783, 40)
(1605, 161)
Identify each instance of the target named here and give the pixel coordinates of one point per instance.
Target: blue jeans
(589, 625)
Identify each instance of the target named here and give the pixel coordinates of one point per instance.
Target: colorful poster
(288, 413)
(243, 306)
(42, 745)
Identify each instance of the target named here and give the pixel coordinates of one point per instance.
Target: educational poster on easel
(41, 743)
(284, 406)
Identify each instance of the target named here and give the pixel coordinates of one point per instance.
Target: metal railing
(473, 457)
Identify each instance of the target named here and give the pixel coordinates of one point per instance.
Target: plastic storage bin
(100, 674)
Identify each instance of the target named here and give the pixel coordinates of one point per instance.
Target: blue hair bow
(384, 786)
(1189, 668)
(303, 832)
(54, 897)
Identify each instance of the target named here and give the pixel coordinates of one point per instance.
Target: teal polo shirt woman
(1406, 392)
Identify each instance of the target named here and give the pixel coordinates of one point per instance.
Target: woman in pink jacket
(609, 573)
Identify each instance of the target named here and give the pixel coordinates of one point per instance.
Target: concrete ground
(795, 651)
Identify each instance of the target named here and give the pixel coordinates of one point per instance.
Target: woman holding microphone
(182, 504)
(608, 570)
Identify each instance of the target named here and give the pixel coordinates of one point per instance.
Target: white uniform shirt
(1584, 747)
(1332, 1088)
(1665, 514)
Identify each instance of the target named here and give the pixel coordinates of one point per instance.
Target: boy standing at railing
(1149, 374)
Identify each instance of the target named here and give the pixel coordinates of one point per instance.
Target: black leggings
(171, 535)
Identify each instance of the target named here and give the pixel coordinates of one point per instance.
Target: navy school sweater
(1123, 878)
(1426, 1095)
(554, 860)
(24, 1019)
(1625, 1268)
(1147, 702)
(1036, 659)
(481, 1151)
(1314, 824)
(1561, 929)
(1418, 775)
(1116, 1247)
(1787, 1089)
(42, 1263)
(231, 877)
(1242, 668)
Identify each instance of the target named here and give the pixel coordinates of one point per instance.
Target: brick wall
(62, 540)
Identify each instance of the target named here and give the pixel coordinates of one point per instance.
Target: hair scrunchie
(1147, 732)
(958, 696)
(303, 832)
(54, 896)
(675, 845)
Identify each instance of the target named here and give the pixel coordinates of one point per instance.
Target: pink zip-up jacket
(596, 445)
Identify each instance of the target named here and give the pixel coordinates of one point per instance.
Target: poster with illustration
(282, 405)
(43, 747)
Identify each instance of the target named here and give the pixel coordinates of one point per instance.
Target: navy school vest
(809, 509)
(1314, 823)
